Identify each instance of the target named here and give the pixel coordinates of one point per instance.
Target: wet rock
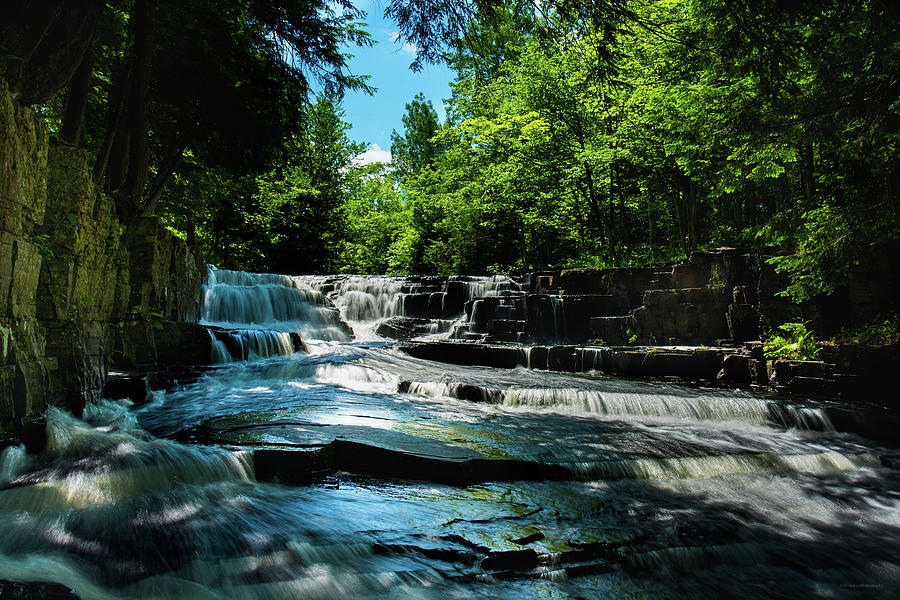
(13, 590)
(611, 330)
(863, 371)
(810, 386)
(528, 539)
(578, 311)
(691, 315)
(736, 369)
(292, 466)
(512, 560)
(475, 393)
(743, 322)
(579, 281)
(423, 304)
(544, 322)
(148, 344)
(464, 353)
(426, 460)
(697, 363)
(876, 423)
(404, 328)
(297, 342)
(562, 358)
(312, 452)
(759, 373)
(32, 433)
(129, 385)
(538, 357)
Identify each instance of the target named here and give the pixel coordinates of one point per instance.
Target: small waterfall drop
(354, 470)
(260, 315)
(438, 303)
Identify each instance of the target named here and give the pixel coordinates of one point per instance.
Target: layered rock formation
(724, 295)
(79, 292)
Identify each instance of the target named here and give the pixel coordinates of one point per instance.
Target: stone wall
(78, 292)
(23, 193)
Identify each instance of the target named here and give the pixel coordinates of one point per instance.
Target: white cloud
(407, 47)
(372, 155)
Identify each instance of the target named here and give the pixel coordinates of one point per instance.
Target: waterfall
(234, 300)
(630, 404)
(702, 467)
(257, 313)
(360, 298)
(365, 301)
(220, 354)
(559, 317)
(356, 470)
(482, 287)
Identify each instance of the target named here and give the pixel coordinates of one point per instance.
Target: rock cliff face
(724, 295)
(78, 292)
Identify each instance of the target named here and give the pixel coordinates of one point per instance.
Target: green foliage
(794, 341)
(415, 149)
(287, 219)
(601, 134)
(882, 333)
(631, 337)
(579, 134)
(210, 87)
(42, 243)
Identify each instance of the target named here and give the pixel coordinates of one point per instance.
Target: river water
(633, 489)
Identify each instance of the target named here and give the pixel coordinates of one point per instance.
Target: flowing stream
(342, 468)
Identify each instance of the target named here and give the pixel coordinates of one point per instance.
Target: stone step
(510, 313)
(609, 329)
(501, 326)
(662, 280)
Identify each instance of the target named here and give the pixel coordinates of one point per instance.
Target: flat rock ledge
(688, 362)
(851, 381)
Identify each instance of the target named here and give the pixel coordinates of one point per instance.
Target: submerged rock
(12, 590)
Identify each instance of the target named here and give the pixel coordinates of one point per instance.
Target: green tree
(206, 80)
(416, 148)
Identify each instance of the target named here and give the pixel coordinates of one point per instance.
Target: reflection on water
(657, 490)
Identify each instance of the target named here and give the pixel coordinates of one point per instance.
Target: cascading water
(564, 485)
(259, 311)
(366, 301)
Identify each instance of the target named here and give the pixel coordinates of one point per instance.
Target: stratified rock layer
(79, 292)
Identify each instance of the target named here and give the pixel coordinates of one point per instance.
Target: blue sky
(374, 117)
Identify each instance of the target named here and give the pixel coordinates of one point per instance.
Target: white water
(365, 301)
(259, 310)
(658, 490)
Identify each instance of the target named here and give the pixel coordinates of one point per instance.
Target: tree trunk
(77, 99)
(685, 198)
(124, 158)
(613, 238)
(589, 191)
(138, 108)
(807, 176)
(115, 108)
(163, 174)
(23, 27)
(44, 42)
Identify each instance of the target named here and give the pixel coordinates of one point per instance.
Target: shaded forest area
(578, 134)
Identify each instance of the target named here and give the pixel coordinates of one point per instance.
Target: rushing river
(574, 485)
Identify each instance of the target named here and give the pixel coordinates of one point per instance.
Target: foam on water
(651, 489)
